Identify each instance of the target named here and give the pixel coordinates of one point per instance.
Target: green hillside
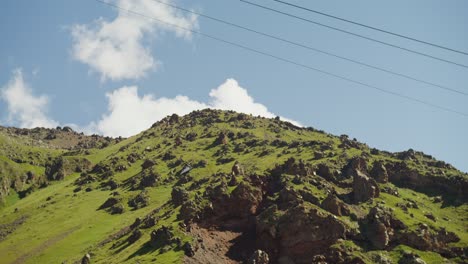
(223, 187)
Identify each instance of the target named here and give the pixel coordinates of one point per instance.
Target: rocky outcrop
(424, 238)
(354, 165)
(162, 237)
(298, 234)
(61, 167)
(179, 195)
(379, 172)
(380, 227)
(364, 188)
(402, 175)
(237, 169)
(292, 167)
(335, 206)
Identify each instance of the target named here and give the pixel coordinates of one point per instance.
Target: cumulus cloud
(128, 113)
(25, 109)
(116, 49)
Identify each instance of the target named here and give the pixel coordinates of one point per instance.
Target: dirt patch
(220, 246)
(48, 243)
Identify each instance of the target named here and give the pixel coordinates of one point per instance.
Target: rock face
(379, 172)
(61, 167)
(335, 206)
(259, 257)
(380, 227)
(299, 234)
(423, 238)
(402, 175)
(292, 167)
(355, 164)
(364, 188)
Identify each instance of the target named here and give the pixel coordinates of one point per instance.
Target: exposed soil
(220, 246)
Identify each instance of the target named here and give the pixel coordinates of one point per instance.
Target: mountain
(223, 187)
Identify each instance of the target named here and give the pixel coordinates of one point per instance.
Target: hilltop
(224, 187)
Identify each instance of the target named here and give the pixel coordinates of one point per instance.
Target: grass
(68, 225)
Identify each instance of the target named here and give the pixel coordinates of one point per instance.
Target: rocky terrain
(223, 187)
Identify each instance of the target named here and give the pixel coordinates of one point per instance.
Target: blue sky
(84, 64)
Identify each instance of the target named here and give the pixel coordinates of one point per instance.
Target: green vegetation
(62, 219)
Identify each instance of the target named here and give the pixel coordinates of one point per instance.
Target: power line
(284, 59)
(370, 27)
(313, 49)
(355, 34)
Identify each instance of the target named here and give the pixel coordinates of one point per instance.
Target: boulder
(379, 172)
(136, 234)
(189, 249)
(179, 195)
(354, 165)
(161, 237)
(237, 169)
(364, 188)
(299, 234)
(259, 257)
(335, 206)
(147, 164)
(380, 226)
(86, 259)
(117, 209)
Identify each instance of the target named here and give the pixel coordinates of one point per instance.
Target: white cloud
(25, 109)
(129, 113)
(116, 48)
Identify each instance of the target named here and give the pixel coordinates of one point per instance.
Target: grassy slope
(67, 226)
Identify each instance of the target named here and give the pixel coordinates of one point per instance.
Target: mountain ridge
(223, 186)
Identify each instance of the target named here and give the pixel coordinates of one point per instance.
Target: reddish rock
(364, 188)
(335, 206)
